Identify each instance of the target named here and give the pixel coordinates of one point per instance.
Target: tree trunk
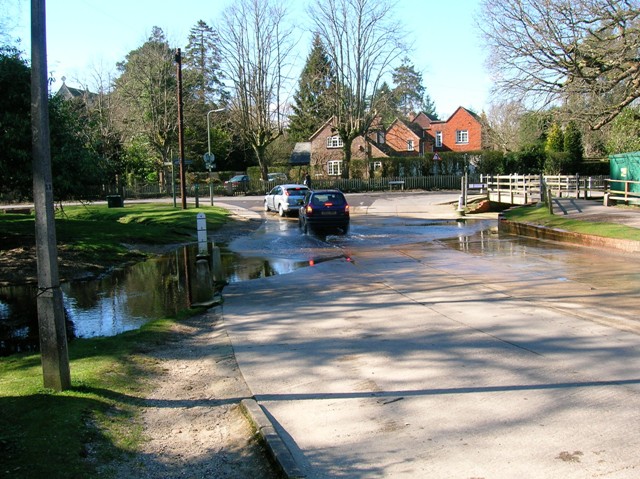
(346, 163)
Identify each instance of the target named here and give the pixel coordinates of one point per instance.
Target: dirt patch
(192, 422)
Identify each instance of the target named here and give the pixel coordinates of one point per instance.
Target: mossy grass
(74, 433)
(539, 215)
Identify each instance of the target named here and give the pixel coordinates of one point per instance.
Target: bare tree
(255, 42)
(503, 125)
(363, 42)
(581, 54)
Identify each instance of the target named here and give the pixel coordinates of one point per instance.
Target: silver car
(285, 199)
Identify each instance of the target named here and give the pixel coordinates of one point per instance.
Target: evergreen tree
(388, 109)
(202, 59)
(555, 139)
(573, 143)
(312, 101)
(75, 167)
(409, 91)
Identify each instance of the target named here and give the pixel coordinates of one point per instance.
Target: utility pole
(183, 182)
(51, 320)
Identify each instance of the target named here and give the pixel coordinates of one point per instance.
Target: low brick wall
(540, 232)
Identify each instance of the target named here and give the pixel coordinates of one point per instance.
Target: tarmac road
(420, 360)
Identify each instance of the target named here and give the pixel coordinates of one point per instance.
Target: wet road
(609, 272)
(441, 349)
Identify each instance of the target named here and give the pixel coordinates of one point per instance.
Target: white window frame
(438, 139)
(381, 137)
(462, 137)
(410, 146)
(376, 165)
(334, 142)
(334, 168)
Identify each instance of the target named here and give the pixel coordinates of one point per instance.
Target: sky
(86, 38)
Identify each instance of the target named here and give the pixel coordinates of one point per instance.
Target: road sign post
(210, 163)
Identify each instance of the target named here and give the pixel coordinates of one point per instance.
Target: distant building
(70, 93)
(418, 136)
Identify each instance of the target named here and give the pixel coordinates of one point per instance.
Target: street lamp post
(209, 157)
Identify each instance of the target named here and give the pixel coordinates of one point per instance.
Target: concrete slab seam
(275, 445)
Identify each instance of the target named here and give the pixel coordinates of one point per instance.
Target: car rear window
(296, 191)
(333, 198)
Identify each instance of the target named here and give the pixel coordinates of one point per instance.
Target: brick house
(461, 132)
(419, 136)
(327, 155)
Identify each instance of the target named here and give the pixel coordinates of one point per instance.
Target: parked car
(324, 209)
(238, 182)
(277, 177)
(285, 199)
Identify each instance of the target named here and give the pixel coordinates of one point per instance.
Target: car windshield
(297, 191)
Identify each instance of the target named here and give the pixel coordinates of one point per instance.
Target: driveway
(423, 361)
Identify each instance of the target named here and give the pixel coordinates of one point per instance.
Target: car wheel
(281, 211)
(266, 207)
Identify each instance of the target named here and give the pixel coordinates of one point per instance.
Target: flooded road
(158, 287)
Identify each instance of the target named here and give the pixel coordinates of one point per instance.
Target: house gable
(327, 147)
(462, 131)
(404, 138)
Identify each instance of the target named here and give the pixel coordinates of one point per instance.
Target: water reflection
(129, 297)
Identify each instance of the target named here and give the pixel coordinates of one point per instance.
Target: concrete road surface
(421, 361)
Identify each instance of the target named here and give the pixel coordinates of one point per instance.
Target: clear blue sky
(88, 36)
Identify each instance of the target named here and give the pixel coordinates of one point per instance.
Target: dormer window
(334, 142)
(410, 146)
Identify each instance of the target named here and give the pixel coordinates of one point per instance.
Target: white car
(285, 199)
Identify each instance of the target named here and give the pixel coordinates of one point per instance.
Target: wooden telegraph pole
(183, 179)
(51, 321)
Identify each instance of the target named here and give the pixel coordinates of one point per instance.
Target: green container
(625, 167)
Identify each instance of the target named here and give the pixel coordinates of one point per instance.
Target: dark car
(324, 210)
(238, 182)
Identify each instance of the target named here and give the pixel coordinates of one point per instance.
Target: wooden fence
(627, 191)
(526, 189)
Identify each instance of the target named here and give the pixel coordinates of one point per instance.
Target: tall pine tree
(202, 65)
(313, 99)
(411, 95)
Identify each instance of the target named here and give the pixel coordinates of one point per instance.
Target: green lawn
(69, 434)
(541, 216)
(99, 234)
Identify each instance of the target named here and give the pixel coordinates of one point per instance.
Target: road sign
(209, 160)
(436, 157)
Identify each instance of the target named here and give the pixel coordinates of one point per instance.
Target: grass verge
(93, 238)
(71, 434)
(539, 215)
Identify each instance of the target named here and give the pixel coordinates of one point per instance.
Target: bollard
(201, 222)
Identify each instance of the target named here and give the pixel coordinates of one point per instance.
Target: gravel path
(192, 420)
